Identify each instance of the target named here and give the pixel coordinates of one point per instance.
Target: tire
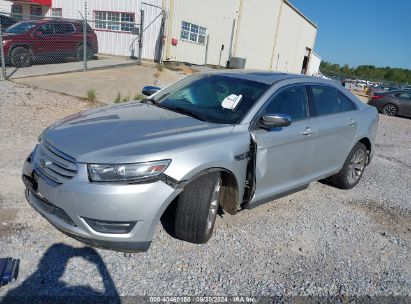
(353, 168)
(80, 53)
(21, 57)
(197, 208)
(390, 109)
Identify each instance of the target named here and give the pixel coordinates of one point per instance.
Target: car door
(334, 119)
(282, 153)
(44, 43)
(65, 39)
(405, 103)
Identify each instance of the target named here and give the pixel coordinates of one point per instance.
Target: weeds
(138, 96)
(118, 98)
(92, 96)
(126, 98)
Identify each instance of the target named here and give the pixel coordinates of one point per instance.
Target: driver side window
(291, 101)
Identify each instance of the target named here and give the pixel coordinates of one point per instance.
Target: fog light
(109, 226)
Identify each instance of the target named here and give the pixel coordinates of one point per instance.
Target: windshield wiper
(185, 112)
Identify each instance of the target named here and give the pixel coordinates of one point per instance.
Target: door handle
(307, 132)
(352, 123)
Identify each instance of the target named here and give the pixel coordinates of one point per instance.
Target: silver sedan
(210, 143)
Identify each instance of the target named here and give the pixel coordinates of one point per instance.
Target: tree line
(370, 72)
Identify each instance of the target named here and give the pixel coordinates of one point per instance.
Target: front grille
(51, 208)
(54, 164)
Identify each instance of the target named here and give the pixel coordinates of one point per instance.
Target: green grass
(92, 96)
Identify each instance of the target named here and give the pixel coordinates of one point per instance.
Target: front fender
(222, 155)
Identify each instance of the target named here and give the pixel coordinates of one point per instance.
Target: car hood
(128, 133)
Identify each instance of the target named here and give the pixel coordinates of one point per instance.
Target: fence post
(85, 37)
(140, 38)
(3, 61)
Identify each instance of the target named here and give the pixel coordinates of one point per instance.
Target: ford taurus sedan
(213, 142)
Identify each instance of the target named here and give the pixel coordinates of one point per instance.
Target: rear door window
(46, 29)
(346, 104)
(324, 100)
(63, 28)
(291, 101)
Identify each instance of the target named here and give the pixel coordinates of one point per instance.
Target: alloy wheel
(356, 166)
(215, 202)
(389, 110)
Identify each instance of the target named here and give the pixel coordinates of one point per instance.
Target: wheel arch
(367, 143)
(25, 45)
(229, 199)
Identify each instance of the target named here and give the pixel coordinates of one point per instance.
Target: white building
(268, 34)
(263, 34)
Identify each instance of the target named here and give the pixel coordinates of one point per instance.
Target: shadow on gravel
(45, 284)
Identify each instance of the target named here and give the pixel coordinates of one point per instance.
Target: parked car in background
(6, 21)
(392, 103)
(226, 140)
(27, 41)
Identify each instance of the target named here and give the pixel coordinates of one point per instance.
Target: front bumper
(67, 206)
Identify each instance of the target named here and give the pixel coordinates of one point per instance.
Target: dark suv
(38, 39)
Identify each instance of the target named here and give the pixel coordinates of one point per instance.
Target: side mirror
(275, 120)
(150, 90)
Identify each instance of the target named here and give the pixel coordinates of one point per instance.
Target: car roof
(267, 77)
(43, 21)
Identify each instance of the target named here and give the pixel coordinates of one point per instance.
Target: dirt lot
(318, 242)
(108, 83)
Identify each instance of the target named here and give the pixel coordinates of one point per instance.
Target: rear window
(63, 28)
(324, 100)
(346, 104)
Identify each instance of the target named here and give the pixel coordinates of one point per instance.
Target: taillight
(376, 97)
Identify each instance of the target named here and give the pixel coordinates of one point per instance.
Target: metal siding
(5, 6)
(294, 35)
(257, 32)
(216, 16)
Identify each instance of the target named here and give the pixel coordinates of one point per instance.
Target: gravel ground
(319, 242)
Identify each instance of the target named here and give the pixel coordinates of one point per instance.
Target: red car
(52, 39)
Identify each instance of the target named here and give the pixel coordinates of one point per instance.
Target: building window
(17, 11)
(114, 21)
(36, 11)
(193, 33)
(56, 12)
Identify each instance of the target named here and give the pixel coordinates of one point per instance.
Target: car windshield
(21, 28)
(213, 98)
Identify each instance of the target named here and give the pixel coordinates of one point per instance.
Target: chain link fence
(36, 44)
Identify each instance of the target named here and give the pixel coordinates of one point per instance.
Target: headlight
(126, 172)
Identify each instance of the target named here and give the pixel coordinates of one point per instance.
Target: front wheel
(21, 57)
(353, 168)
(197, 208)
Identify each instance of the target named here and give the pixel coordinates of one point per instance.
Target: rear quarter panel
(368, 122)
